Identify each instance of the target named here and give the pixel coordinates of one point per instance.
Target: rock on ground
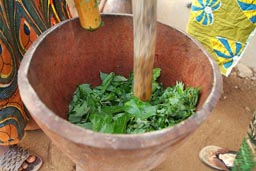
(244, 71)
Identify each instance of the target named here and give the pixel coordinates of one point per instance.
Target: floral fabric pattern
(249, 9)
(203, 10)
(227, 51)
(223, 27)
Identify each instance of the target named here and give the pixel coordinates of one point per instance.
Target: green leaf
(179, 87)
(74, 118)
(139, 109)
(156, 73)
(107, 128)
(112, 109)
(120, 123)
(80, 110)
(103, 76)
(119, 78)
(106, 82)
(84, 88)
(155, 85)
(108, 97)
(86, 125)
(100, 122)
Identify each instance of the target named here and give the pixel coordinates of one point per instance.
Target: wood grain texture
(144, 23)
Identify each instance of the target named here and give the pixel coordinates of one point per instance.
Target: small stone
(234, 69)
(189, 5)
(225, 97)
(253, 78)
(254, 70)
(247, 109)
(233, 73)
(236, 87)
(244, 71)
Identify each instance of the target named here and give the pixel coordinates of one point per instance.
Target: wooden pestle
(144, 20)
(89, 14)
(144, 23)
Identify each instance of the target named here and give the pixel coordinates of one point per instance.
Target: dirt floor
(226, 127)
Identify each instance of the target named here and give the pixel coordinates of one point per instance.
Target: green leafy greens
(112, 108)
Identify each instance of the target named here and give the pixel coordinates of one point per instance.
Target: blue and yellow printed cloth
(223, 27)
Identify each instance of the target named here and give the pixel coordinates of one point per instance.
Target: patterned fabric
(227, 51)
(202, 11)
(249, 9)
(21, 22)
(223, 27)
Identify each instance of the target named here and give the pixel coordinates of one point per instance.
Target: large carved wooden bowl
(66, 56)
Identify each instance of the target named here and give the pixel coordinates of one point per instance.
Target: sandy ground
(226, 125)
